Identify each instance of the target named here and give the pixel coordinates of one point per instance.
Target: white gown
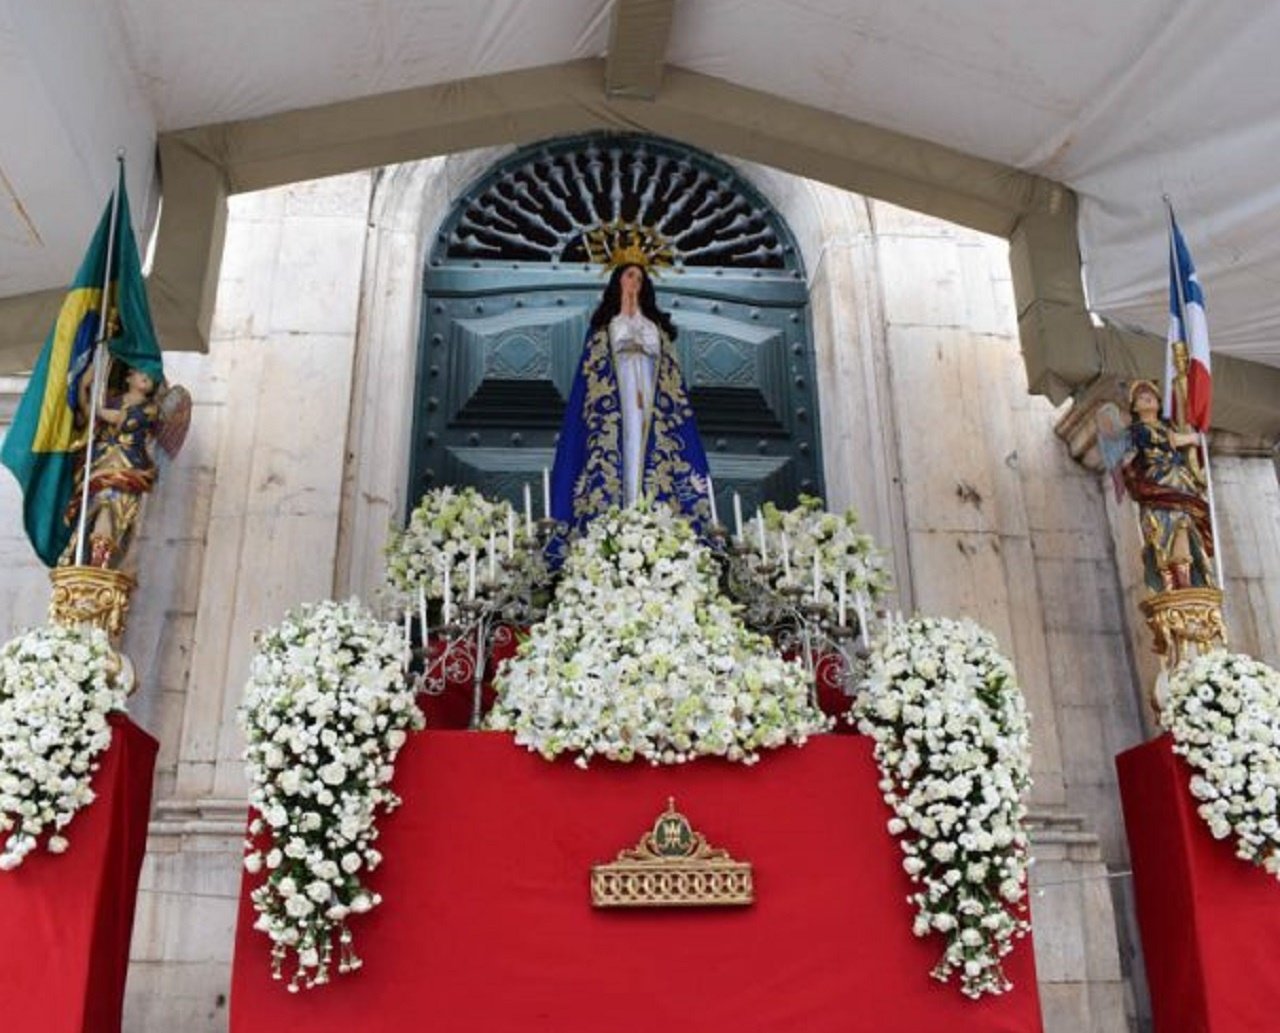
(636, 348)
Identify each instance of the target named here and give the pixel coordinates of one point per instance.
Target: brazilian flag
(48, 431)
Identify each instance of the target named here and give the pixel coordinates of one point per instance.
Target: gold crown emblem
(619, 243)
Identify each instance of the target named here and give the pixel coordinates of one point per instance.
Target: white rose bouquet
(1223, 710)
(57, 686)
(326, 711)
(641, 656)
(953, 745)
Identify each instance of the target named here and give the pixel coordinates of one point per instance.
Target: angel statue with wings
(1155, 463)
(135, 412)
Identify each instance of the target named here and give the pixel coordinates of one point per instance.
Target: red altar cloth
(1210, 921)
(487, 923)
(67, 918)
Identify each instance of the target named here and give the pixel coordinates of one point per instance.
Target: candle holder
(842, 633)
(817, 613)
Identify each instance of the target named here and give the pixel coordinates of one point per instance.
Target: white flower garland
(325, 712)
(953, 745)
(1223, 710)
(640, 656)
(57, 686)
(442, 531)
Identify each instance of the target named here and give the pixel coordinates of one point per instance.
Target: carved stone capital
(1077, 425)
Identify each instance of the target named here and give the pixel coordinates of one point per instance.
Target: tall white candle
(422, 610)
(817, 577)
(511, 533)
(528, 510)
(448, 594)
(408, 617)
(764, 546)
(711, 498)
(842, 600)
(471, 575)
(546, 493)
(493, 556)
(786, 557)
(737, 515)
(861, 604)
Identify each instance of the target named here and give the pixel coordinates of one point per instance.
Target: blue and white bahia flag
(1187, 323)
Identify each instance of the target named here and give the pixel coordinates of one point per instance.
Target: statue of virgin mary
(628, 430)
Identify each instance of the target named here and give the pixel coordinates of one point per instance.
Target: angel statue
(134, 412)
(1154, 463)
(628, 429)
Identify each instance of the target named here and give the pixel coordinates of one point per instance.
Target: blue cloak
(586, 479)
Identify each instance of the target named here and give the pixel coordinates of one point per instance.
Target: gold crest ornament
(672, 866)
(618, 243)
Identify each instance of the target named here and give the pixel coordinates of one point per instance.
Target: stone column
(261, 521)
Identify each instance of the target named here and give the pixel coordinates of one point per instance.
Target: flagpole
(104, 327)
(1213, 513)
(1175, 267)
(1203, 439)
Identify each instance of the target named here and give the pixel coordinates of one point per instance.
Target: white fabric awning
(1120, 102)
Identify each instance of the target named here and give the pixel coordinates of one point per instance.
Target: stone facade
(297, 463)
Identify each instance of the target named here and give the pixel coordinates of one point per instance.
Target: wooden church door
(508, 291)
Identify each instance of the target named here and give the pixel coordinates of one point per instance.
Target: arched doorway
(508, 290)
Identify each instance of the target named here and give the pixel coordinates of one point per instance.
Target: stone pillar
(24, 589)
(257, 535)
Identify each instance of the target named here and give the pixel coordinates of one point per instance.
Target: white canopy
(1120, 102)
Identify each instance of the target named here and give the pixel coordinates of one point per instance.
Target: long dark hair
(611, 304)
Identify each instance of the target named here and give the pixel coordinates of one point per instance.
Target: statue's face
(1145, 404)
(139, 381)
(632, 278)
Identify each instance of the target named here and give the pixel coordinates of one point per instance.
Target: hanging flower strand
(325, 713)
(952, 741)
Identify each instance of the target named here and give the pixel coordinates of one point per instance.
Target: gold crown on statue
(620, 243)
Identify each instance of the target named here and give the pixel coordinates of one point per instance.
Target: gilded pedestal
(91, 595)
(1185, 622)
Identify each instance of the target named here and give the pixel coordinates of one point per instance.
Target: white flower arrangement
(640, 656)
(442, 532)
(57, 686)
(1223, 710)
(326, 711)
(841, 546)
(953, 745)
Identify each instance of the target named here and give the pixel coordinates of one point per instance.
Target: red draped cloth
(66, 919)
(487, 924)
(1210, 921)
